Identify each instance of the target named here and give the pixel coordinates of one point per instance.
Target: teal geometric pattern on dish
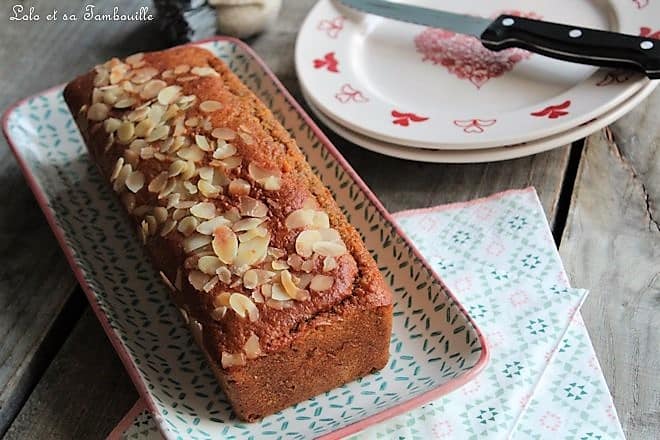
(552, 412)
(433, 342)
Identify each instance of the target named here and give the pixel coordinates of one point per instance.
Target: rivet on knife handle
(576, 44)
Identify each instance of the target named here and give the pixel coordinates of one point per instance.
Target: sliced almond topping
(98, 112)
(111, 125)
(147, 153)
(321, 220)
(197, 279)
(210, 106)
(179, 213)
(185, 102)
(193, 153)
(231, 162)
(225, 244)
(329, 264)
(210, 285)
(143, 231)
(329, 248)
(125, 132)
(300, 218)
(321, 282)
(202, 142)
(224, 150)
(269, 179)
(135, 181)
(307, 266)
(144, 128)
(192, 122)
(247, 223)
(250, 279)
(224, 274)
(204, 71)
(115, 171)
(158, 133)
(138, 114)
(251, 207)
(222, 300)
(143, 75)
(190, 187)
(124, 103)
(209, 264)
(209, 226)
(288, 284)
(218, 313)
(120, 181)
(176, 168)
(204, 210)
(169, 95)
(223, 133)
(206, 173)
(152, 88)
(330, 234)
(207, 189)
(194, 242)
(168, 227)
(181, 68)
(243, 306)
(239, 187)
(259, 231)
(135, 58)
(132, 157)
(187, 225)
(152, 223)
(190, 170)
(278, 293)
(247, 138)
(251, 252)
(252, 348)
(158, 183)
(232, 360)
(305, 242)
(295, 261)
(279, 265)
(160, 213)
(232, 215)
(304, 280)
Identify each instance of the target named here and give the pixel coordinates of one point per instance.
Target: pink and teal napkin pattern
(543, 380)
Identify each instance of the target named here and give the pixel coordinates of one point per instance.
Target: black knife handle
(574, 43)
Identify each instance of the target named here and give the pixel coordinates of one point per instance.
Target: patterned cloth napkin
(543, 379)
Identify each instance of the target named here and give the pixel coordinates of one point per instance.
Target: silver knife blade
(463, 24)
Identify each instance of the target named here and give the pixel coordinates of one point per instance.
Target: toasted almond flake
(239, 187)
(252, 348)
(251, 207)
(259, 231)
(251, 252)
(128, 200)
(305, 242)
(279, 265)
(204, 71)
(225, 244)
(160, 213)
(232, 214)
(176, 168)
(147, 153)
(247, 138)
(330, 234)
(210, 106)
(143, 75)
(98, 112)
(190, 170)
(192, 122)
(243, 306)
(135, 58)
(197, 279)
(181, 68)
(152, 88)
(101, 78)
(124, 103)
(120, 181)
(135, 181)
(204, 210)
(185, 102)
(125, 132)
(209, 264)
(222, 299)
(186, 78)
(179, 214)
(307, 266)
(195, 242)
(168, 227)
(143, 231)
(202, 142)
(144, 128)
(300, 218)
(132, 157)
(295, 261)
(185, 204)
(158, 183)
(287, 282)
(329, 264)
(231, 162)
(158, 133)
(209, 226)
(206, 173)
(304, 280)
(232, 360)
(321, 220)
(218, 313)
(192, 153)
(246, 224)
(272, 183)
(250, 279)
(321, 283)
(111, 125)
(259, 174)
(210, 285)
(223, 133)
(168, 95)
(224, 274)
(329, 248)
(207, 189)
(138, 114)
(224, 150)
(190, 187)
(115, 171)
(278, 293)
(152, 223)
(187, 225)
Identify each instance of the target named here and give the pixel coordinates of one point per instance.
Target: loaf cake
(277, 287)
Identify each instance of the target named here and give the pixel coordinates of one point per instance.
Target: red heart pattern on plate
(465, 57)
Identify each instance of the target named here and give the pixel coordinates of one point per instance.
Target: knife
(565, 42)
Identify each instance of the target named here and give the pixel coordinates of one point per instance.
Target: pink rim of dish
(123, 354)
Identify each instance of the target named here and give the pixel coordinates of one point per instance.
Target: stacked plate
(436, 96)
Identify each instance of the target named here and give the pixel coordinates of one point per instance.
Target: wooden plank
(35, 281)
(84, 393)
(66, 405)
(611, 246)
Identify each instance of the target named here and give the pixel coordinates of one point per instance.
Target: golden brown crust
(358, 291)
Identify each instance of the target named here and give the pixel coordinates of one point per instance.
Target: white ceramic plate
(483, 154)
(411, 85)
(435, 346)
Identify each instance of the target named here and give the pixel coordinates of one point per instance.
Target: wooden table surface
(59, 377)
